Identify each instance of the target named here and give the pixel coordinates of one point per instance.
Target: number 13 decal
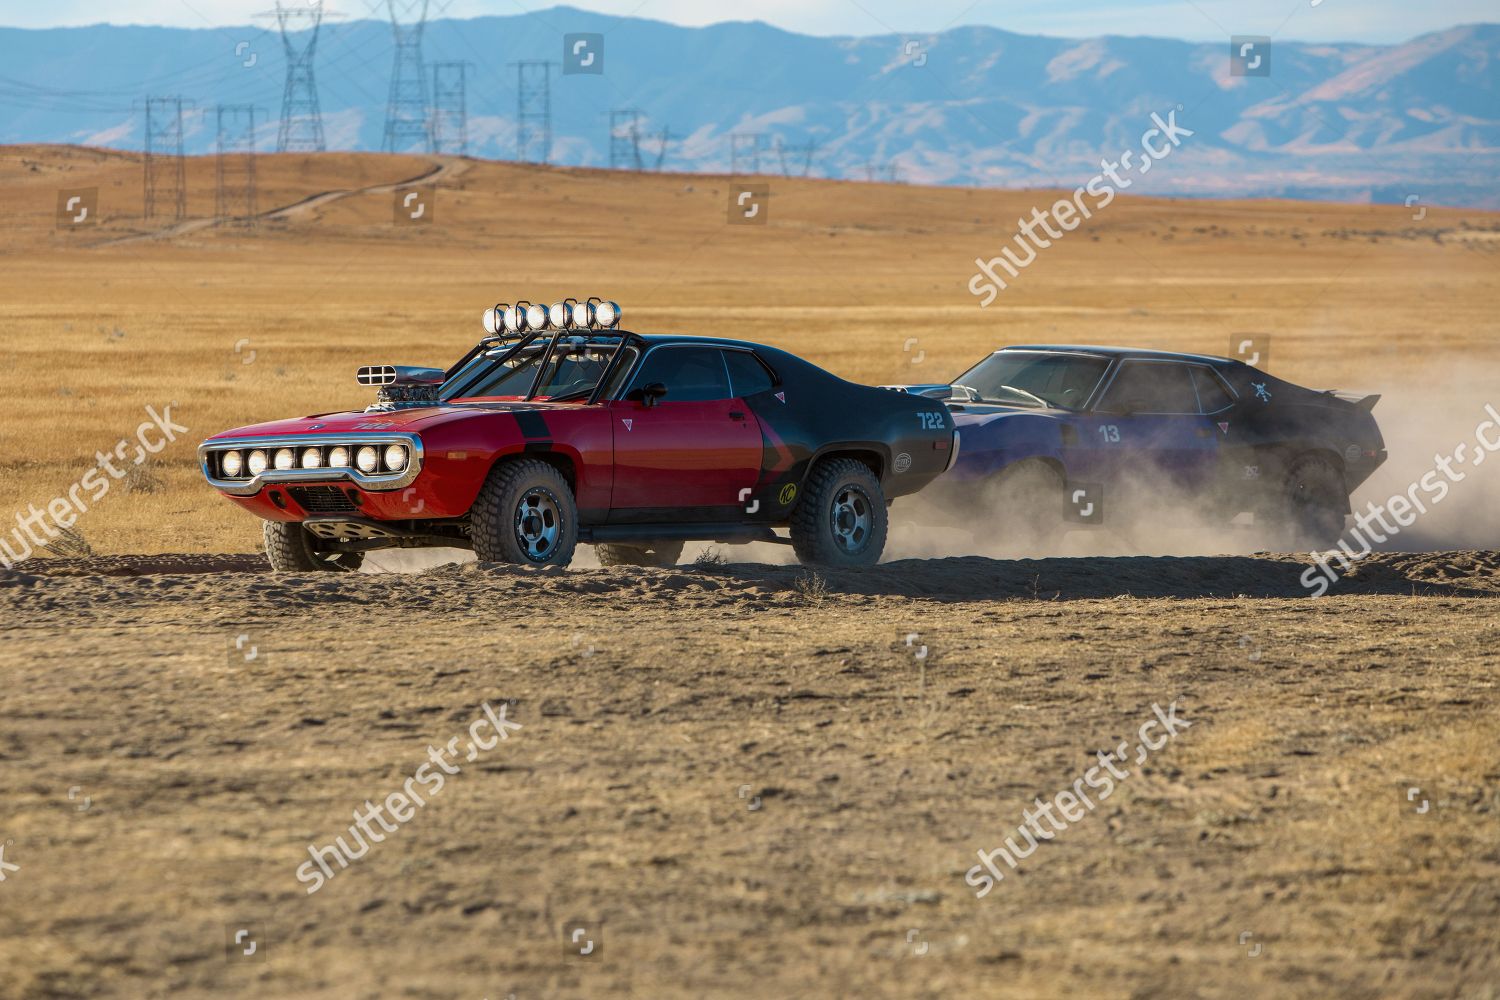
(1110, 433)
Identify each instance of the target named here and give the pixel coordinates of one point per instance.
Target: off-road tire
(1313, 505)
(499, 528)
(659, 554)
(1025, 503)
(831, 484)
(290, 548)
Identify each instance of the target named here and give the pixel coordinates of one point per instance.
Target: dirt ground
(748, 780)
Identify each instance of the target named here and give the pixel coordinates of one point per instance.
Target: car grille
(322, 499)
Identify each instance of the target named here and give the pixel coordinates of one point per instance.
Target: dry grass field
(746, 780)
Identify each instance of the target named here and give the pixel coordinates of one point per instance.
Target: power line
(301, 118)
(533, 111)
(406, 117)
(663, 139)
(450, 110)
(625, 139)
(164, 132)
(788, 153)
(234, 164)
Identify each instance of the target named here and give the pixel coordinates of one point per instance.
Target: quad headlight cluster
(369, 459)
(569, 314)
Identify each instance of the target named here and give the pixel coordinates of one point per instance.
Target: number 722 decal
(931, 421)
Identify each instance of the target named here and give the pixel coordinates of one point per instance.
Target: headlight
(395, 457)
(368, 458)
(338, 458)
(581, 314)
(510, 319)
(312, 458)
(285, 459)
(536, 317)
(232, 464)
(257, 462)
(607, 313)
(560, 315)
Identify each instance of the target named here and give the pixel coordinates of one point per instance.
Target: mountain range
(970, 105)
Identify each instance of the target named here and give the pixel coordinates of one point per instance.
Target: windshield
(1033, 378)
(572, 373)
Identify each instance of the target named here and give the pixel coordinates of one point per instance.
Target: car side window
(691, 374)
(747, 374)
(1151, 387)
(1212, 396)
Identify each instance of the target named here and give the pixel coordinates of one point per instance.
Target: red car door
(695, 450)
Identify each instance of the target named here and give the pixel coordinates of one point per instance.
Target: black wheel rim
(538, 524)
(851, 519)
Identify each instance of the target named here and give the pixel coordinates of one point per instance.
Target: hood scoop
(401, 385)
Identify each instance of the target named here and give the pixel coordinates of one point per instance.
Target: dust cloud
(1421, 422)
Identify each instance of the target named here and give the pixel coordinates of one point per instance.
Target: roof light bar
(494, 319)
(569, 314)
(536, 317)
(511, 317)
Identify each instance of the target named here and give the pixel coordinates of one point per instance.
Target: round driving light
(338, 458)
(233, 463)
(368, 458)
(258, 462)
(608, 314)
(510, 318)
(582, 314)
(395, 457)
(490, 326)
(558, 314)
(285, 459)
(312, 458)
(536, 317)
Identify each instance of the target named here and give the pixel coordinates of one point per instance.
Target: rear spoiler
(1366, 403)
(930, 390)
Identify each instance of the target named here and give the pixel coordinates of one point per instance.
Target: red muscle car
(559, 427)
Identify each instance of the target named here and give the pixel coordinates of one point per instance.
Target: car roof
(683, 338)
(1122, 352)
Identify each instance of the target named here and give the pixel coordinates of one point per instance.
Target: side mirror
(649, 393)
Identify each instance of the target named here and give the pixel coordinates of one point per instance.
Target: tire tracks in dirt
(438, 172)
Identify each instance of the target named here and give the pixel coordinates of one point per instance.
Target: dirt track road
(741, 786)
(442, 171)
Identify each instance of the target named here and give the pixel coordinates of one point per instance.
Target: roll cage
(464, 376)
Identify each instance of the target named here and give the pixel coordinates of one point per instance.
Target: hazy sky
(1307, 20)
